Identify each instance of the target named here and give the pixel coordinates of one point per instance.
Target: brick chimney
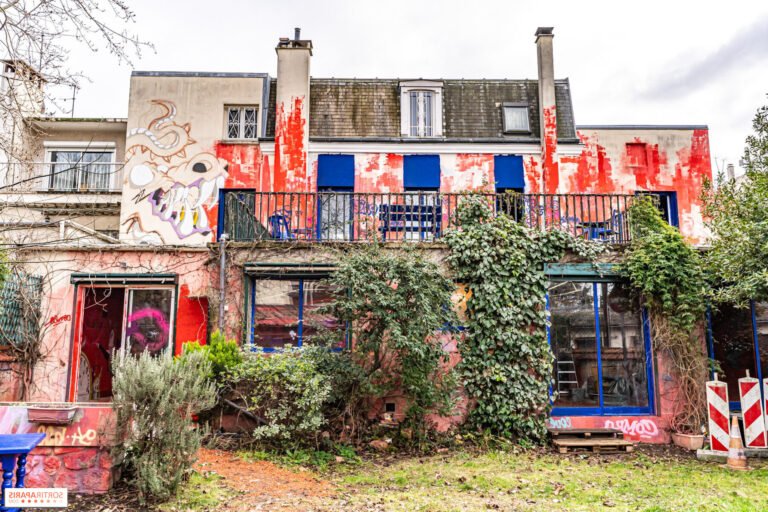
(547, 109)
(292, 114)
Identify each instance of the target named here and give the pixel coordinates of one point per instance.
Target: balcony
(61, 188)
(249, 216)
(46, 177)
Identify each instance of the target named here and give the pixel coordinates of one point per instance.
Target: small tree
(154, 399)
(396, 303)
(737, 215)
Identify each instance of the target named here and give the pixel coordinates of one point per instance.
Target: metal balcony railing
(61, 177)
(410, 216)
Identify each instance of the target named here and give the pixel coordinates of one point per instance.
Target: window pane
(625, 380)
(233, 123)
(427, 121)
(335, 215)
(148, 326)
(277, 313)
(761, 318)
(249, 123)
(573, 338)
(239, 215)
(414, 114)
(734, 345)
(316, 295)
(96, 171)
(64, 169)
(516, 119)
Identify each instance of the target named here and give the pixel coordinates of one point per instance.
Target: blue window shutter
(336, 171)
(508, 171)
(421, 172)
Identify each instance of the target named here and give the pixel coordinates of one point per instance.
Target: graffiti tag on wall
(640, 427)
(564, 422)
(57, 436)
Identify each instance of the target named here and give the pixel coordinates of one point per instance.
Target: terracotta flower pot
(690, 442)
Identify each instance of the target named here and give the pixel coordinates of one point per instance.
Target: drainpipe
(222, 278)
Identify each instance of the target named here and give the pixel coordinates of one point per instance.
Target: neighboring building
(310, 160)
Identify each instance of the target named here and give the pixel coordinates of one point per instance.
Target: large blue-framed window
(667, 204)
(335, 187)
(738, 341)
(599, 335)
(285, 312)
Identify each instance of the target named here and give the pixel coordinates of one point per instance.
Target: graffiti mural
(641, 427)
(171, 181)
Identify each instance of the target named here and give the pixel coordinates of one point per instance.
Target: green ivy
(506, 364)
(668, 274)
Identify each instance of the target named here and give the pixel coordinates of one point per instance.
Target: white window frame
(421, 86)
(83, 147)
(241, 128)
(507, 130)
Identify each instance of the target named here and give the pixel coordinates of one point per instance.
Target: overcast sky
(651, 62)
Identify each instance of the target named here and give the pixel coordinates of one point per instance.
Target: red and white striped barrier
(752, 411)
(717, 412)
(765, 405)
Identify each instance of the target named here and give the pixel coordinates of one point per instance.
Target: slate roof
(362, 108)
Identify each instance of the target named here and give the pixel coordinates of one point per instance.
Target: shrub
(223, 354)
(154, 400)
(287, 392)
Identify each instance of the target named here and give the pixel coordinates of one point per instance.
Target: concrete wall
(172, 174)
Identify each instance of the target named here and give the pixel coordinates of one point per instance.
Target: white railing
(61, 177)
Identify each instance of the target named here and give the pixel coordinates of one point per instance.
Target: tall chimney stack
(547, 109)
(292, 114)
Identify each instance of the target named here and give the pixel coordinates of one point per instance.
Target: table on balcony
(14, 449)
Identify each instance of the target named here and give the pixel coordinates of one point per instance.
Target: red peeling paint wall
(378, 173)
(550, 165)
(290, 173)
(467, 172)
(532, 168)
(652, 160)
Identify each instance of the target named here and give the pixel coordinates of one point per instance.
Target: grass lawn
(643, 481)
(650, 479)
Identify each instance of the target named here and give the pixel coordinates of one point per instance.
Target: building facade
(289, 166)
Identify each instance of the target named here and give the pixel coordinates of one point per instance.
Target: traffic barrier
(752, 412)
(717, 413)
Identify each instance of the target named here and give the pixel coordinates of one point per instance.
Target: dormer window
(241, 121)
(516, 118)
(421, 108)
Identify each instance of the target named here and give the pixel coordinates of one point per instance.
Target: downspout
(222, 278)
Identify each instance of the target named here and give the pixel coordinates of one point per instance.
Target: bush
(154, 400)
(287, 392)
(223, 354)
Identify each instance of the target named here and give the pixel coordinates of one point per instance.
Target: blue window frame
(737, 339)
(599, 335)
(667, 204)
(284, 311)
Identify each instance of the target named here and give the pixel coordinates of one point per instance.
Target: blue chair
(14, 449)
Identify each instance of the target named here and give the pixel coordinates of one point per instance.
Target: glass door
(149, 320)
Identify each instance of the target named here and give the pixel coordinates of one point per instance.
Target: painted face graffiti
(174, 181)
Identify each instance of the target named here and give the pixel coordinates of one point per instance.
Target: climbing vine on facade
(668, 275)
(506, 363)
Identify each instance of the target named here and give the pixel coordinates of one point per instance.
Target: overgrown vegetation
(506, 362)
(668, 275)
(737, 215)
(396, 304)
(154, 400)
(224, 355)
(287, 392)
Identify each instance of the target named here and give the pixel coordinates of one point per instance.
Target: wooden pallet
(565, 444)
(586, 433)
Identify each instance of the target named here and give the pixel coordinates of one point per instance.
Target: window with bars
(241, 122)
(422, 113)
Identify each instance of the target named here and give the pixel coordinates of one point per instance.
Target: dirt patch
(261, 483)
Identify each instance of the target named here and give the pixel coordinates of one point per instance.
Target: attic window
(516, 118)
(421, 109)
(241, 122)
